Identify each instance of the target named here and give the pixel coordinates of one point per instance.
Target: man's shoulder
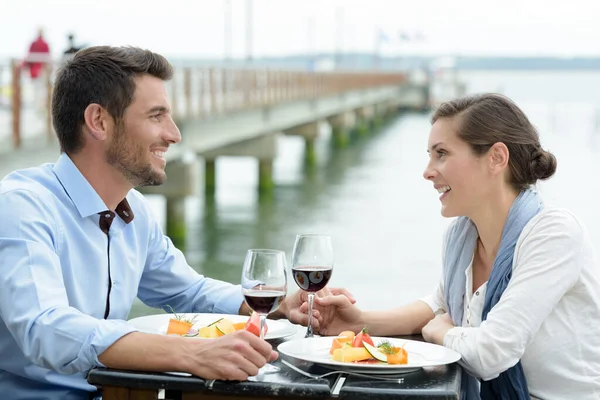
(37, 182)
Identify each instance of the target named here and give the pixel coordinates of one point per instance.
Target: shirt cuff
(433, 304)
(455, 334)
(230, 301)
(106, 333)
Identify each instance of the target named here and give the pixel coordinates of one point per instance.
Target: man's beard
(129, 159)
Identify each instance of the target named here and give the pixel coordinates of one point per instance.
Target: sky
(196, 28)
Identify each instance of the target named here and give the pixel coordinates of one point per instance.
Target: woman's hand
(436, 329)
(333, 309)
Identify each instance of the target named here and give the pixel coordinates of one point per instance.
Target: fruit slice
(338, 343)
(238, 326)
(348, 334)
(362, 336)
(209, 332)
(349, 354)
(225, 326)
(400, 357)
(253, 324)
(374, 352)
(178, 327)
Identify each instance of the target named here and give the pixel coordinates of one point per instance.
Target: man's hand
(235, 356)
(436, 329)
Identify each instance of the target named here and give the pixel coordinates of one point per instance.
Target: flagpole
(249, 29)
(377, 55)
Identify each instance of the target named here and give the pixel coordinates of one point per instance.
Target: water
(384, 218)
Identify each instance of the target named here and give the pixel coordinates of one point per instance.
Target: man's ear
(498, 156)
(97, 121)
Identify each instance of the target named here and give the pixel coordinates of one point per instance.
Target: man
(78, 244)
(72, 49)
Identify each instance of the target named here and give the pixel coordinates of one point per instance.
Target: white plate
(420, 354)
(159, 323)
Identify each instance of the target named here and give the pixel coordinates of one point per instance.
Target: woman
(520, 295)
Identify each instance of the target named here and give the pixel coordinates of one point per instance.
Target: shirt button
(477, 293)
(106, 215)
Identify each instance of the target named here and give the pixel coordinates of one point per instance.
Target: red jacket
(38, 46)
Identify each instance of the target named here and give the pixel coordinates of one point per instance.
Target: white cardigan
(548, 316)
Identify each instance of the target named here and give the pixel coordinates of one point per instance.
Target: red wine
(312, 279)
(264, 301)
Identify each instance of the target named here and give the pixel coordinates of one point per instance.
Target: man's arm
(235, 356)
(168, 280)
(33, 299)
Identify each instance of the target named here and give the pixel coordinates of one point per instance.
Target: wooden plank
(206, 396)
(115, 393)
(143, 394)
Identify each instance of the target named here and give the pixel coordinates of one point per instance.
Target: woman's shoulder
(553, 221)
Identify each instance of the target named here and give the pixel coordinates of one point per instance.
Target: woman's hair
(486, 119)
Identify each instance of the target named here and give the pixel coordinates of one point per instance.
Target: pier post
(378, 116)
(176, 229)
(263, 148)
(16, 104)
(265, 175)
(363, 117)
(309, 132)
(341, 125)
(310, 155)
(210, 176)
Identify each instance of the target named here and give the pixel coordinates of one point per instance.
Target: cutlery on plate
(322, 376)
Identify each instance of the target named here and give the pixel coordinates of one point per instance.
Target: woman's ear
(96, 121)
(498, 156)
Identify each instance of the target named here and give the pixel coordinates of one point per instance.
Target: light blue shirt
(54, 280)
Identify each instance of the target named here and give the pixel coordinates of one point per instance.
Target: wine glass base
(266, 369)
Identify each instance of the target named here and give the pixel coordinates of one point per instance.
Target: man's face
(140, 141)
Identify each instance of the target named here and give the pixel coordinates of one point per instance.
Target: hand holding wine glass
(312, 265)
(264, 285)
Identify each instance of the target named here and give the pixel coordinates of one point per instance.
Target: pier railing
(195, 92)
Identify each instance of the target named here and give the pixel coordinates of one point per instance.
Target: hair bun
(543, 164)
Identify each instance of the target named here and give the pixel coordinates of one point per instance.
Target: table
(441, 382)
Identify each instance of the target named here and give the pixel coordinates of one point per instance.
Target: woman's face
(461, 178)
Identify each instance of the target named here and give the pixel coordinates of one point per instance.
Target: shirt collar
(84, 197)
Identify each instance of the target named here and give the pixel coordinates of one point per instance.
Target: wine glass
(264, 286)
(312, 265)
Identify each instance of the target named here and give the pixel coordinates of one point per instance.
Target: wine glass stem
(311, 300)
(263, 324)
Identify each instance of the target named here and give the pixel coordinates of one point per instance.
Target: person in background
(38, 55)
(519, 298)
(72, 49)
(78, 244)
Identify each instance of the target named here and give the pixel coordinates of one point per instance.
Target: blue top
(55, 264)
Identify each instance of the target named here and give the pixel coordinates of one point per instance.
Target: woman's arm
(548, 262)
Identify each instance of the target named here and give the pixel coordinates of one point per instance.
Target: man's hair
(100, 75)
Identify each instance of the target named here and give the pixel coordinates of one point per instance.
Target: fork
(322, 376)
